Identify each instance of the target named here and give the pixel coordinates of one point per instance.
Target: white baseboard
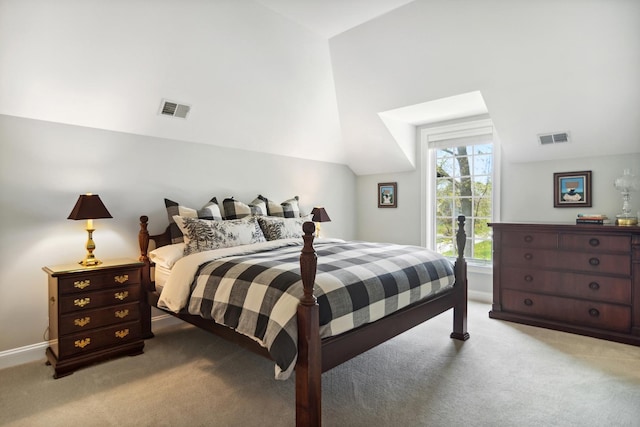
(480, 296)
(26, 354)
(35, 352)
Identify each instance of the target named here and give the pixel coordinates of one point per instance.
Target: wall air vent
(553, 138)
(174, 109)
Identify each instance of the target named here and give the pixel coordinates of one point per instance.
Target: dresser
(94, 313)
(583, 279)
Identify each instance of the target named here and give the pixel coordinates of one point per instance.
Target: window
(459, 169)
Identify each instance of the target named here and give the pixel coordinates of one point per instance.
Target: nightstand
(94, 313)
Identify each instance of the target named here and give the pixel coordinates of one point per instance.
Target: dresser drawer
(90, 319)
(574, 311)
(99, 280)
(91, 300)
(526, 239)
(569, 261)
(96, 339)
(586, 286)
(595, 242)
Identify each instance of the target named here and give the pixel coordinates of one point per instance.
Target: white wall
(45, 166)
(527, 188)
(255, 80)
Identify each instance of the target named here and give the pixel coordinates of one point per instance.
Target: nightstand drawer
(586, 286)
(90, 319)
(577, 312)
(101, 280)
(90, 300)
(96, 339)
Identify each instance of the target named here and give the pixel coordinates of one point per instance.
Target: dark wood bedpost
(145, 307)
(460, 268)
(308, 365)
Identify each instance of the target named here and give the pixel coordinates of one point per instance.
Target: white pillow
(275, 228)
(204, 235)
(166, 256)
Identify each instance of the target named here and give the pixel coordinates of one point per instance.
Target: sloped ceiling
(317, 79)
(539, 66)
(329, 18)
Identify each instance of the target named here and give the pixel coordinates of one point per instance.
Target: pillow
(204, 235)
(275, 228)
(234, 209)
(287, 209)
(166, 256)
(209, 211)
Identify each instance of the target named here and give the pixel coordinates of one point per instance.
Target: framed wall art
(572, 189)
(388, 195)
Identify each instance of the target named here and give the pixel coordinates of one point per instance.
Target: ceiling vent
(553, 138)
(174, 109)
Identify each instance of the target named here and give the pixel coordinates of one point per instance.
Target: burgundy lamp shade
(89, 206)
(320, 215)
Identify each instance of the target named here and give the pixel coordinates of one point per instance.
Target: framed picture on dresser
(572, 189)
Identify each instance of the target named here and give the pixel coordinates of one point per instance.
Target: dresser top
(79, 268)
(567, 227)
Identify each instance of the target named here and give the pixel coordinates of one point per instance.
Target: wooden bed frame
(316, 356)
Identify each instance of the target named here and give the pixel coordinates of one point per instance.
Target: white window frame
(463, 132)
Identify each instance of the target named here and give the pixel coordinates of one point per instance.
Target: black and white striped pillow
(210, 211)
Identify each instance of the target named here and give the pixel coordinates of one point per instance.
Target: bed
(315, 350)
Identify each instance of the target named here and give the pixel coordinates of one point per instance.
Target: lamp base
(90, 262)
(626, 220)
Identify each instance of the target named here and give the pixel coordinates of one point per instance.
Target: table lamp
(89, 207)
(319, 215)
(625, 184)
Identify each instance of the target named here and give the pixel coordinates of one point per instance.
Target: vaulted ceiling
(330, 80)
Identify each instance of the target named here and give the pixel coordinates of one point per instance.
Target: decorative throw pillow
(234, 209)
(210, 211)
(258, 206)
(203, 235)
(287, 209)
(275, 228)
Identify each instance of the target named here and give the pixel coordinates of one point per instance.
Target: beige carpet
(505, 375)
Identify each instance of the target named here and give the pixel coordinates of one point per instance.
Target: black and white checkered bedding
(356, 283)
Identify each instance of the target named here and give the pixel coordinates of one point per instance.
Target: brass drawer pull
(593, 312)
(594, 285)
(82, 343)
(528, 256)
(594, 261)
(594, 242)
(528, 238)
(81, 284)
(123, 333)
(121, 314)
(82, 322)
(528, 302)
(121, 279)
(528, 278)
(121, 295)
(81, 302)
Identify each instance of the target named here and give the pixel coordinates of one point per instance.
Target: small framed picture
(388, 195)
(572, 189)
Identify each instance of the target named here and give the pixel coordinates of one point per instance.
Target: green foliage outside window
(464, 187)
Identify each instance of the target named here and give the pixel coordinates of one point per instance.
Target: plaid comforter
(356, 283)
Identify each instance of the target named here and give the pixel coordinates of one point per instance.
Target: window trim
(469, 129)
